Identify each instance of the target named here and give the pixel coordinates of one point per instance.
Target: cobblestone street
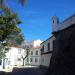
(25, 71)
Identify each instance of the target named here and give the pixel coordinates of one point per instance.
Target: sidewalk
(10, 69)
(7, 70)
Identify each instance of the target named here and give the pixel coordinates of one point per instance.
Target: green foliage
(22, 2)
(8, 26)
(19, 39)
(2, 54)
(2, 51)
(9, 30)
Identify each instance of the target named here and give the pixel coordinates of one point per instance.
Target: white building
(46, 51)
(33, 43)
(47, 45)
(34, 57)
(13, 57)
(57, 26)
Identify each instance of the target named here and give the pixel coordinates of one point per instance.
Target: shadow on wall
(63, 57)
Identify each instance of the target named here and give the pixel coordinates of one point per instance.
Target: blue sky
(36, 16)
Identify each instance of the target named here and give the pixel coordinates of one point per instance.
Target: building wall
(33, 44)
(13, 57)
(68, 22)
(46, 53)
(63, 58)
(55, 24)
(63, 25)
(33, 58)
(37, 43)
(45, 61)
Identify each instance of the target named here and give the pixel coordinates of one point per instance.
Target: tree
(9, 21)
(2, 2)
(8, 31)
(25, 56)
(8, 28)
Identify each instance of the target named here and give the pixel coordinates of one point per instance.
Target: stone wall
(63, 57)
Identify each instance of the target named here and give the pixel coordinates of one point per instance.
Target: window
(36, 52)
(53, 44)
(19, 59)
(58, 21)
(31, 52)
(31, 59)
(53, 21)
(42, 49)
(36, 59)
(48, 46)
(27, 59)
(0, 62)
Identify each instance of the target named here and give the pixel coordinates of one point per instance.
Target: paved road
(26, 71)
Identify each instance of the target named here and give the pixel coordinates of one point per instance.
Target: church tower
(55, 24)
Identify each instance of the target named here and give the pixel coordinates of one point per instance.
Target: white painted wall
(45, 60)
(36, 47)
(65, 24)
(55, 24)
(12, 56)
(45, 44)
(37, 43)
(34, 43)
(34, 56)
(68, 22)
(45, 57)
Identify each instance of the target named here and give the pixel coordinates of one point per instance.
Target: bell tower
(55, 24)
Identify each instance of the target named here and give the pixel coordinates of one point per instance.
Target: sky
(36, 16)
